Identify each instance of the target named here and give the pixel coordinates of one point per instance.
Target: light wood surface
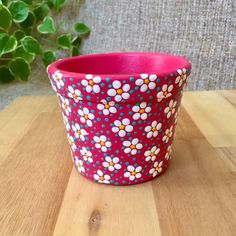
(42, 194)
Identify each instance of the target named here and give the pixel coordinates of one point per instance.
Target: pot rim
(181, 62)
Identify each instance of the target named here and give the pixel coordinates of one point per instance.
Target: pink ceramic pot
(120, 112)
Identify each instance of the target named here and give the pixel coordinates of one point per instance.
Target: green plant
(24, 27)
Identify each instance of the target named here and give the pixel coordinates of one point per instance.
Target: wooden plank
(93, 209)
(214, 116)
(228, 154)
(196, 195)
(16, 119)
(33, 178)
(229, 95)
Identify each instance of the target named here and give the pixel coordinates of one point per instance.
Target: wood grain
(41, 194)
(33, 178)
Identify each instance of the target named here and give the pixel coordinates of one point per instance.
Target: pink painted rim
(180, 62)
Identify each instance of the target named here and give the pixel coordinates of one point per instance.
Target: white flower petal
(108, 144)
(125, 95)
(138, 175)
(117, 123)
(138, 169)
(122, 133)
(106, 112)
(132, 177)
(99, 172)
(144, 88)
(96, 177)
(127, 143)
(149, 134)
(116, 84)
(89, 76)
(136, 116)
(96, 79)
(117, 166)
(104, 149)
(118, 98)
(96, 139)
(111, 92)
(105, 164)
(126, 87)
(144, 76)
(135, 108)
(84, 82)
(139, 82)
(144, 116)
(112, 110)
(100, 106)
(152, 85)
(89, 123)
(115, 129)
(96, 88)
(129, 128)
(127, 174)
(127, 150)
(130, 168)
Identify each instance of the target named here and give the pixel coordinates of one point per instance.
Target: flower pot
(120, 112)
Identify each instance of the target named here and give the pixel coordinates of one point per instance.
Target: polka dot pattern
(120, 131)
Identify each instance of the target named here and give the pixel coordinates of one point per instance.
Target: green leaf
(29, 21)
(20, 68)
(31, 45)
(77, 41)
(20, 52)
(58, 4)
(75, 51)
(19, 11)
(29, 2)
(19, 34)
(81, 28)
(47, 26)
(5, 74)
(64, 41)
(7, 43)
(48, 57)
(5, 18)
(41, 10)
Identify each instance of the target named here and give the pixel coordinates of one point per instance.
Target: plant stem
(5, 59)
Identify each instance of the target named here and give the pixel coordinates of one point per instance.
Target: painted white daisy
(65, 104)
(168, 134)
(146, 81)
(53, 86)
(66, 122)
(141, 111)
(101, 178)
(170, 109)
(157, 168)
(91, 83)
(111, 163)
(107, 107)
(74, 93)
(86, 116)
(182, 76)
(87, 155)
(72, 142)
(101, 142)
(133, 172)
(133, 146)
(78, 132)
(168, 153)
(152, 130)
(79, 164)
(165, 92)
(152, 154)
(121, 127)
(57, 77)
(118, 91)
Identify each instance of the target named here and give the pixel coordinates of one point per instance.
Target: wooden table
(41, 194)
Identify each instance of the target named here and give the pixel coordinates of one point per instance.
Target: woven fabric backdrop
(204, 31)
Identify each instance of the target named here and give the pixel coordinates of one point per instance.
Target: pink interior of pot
(121, 64)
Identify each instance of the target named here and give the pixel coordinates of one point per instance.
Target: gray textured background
(203, 31)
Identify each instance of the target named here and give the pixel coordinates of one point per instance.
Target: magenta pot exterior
(120, 112)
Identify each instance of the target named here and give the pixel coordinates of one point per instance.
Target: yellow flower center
(91, 82)
(152, 154)
(157, 168)
(153, 129)
(58, 78)
(132, 146)
(86, 117)
(102, 143)
(107, 106)
(101, 178)
(165, 93)
(65, 105)
(122, 127)
(78, 132)
(119, 91)
(79, 165)
(133, 173)
(146, 81)
(111, 163)
(75, 96)
(142, 110)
